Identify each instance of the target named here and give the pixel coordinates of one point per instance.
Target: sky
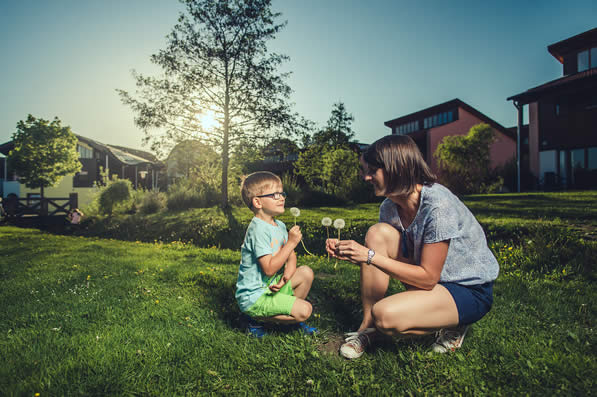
(383, 59)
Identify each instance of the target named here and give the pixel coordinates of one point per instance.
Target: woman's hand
(347, 250)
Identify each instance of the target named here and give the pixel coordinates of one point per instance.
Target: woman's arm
(425, 276)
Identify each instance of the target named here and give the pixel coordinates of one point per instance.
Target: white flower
(295, 211)
(326, 221)
(339, 223)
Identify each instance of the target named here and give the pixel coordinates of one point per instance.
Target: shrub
(182, 197)
(117, 192)
(152, 202)
(464, 161)
(292, 189)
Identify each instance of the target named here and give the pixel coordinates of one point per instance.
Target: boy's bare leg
(301, 281)
(301, 311)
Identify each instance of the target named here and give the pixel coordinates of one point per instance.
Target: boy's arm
(288, 273)
(270, 264)
(290, 266)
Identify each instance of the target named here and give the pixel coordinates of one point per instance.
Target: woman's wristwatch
(370, 256)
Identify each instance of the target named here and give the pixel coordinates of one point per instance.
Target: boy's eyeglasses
(275, 196)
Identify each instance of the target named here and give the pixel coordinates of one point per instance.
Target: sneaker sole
(350, 353)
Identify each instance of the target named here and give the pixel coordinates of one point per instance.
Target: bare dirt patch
(332, 343)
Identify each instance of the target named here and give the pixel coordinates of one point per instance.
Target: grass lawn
(91, 316)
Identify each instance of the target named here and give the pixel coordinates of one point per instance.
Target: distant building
(562, 114)
(138, 166)
(429, 126)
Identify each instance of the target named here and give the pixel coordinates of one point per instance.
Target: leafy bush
(117, 192)
(464, 161)
(182, 197)
(152, 202)
(340, 171)
(292, 189)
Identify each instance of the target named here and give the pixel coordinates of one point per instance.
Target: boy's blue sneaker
(307, 330)
(255, 328)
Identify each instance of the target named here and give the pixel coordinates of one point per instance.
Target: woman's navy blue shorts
(472, 301)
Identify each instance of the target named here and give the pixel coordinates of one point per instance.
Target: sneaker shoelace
(360, 339)
(450, 338)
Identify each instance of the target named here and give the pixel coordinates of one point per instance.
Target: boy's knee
(304, 310)
(307, 272)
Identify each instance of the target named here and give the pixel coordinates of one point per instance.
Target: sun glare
(208, 120)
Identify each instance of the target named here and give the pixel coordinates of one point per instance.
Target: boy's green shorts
(273, 303)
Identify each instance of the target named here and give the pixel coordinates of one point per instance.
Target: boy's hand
(295, 235)
(279, 285)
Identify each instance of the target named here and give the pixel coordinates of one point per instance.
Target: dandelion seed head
(326, 221)
(295, 212)
(339, 223)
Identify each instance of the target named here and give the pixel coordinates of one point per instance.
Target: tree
(338, 131)
(44, 152)
(190, 155)
(465, 161)
(335, 136)
(340, 172)
(216, 68)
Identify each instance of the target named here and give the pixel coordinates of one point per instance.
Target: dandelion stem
(306, 250)
(327, 229)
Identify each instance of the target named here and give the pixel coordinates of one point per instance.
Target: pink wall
(502, 150)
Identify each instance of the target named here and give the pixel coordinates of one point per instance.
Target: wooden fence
(16, 207)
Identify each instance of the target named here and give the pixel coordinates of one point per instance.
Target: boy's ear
(256, 202)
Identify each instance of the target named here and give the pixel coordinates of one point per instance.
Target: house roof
(454, 103)
(567, 84)
(580, 41)
(125, 155)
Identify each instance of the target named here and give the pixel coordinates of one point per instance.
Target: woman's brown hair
(399, 157)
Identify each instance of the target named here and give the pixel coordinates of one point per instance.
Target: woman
(427, 239)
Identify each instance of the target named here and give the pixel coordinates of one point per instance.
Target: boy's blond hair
(255, 184)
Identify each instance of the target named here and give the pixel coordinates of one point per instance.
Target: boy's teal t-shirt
(261, 239)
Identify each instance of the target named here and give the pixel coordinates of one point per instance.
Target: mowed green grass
(88, 316)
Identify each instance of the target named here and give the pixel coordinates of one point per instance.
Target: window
(594, 57)
(557, 109)
(84, 152)
(439, 119)
(577, 157)
(408, 127)
(583, 60)
(592, 151)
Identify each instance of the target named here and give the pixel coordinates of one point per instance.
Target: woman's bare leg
(416, 312)
(384, 240)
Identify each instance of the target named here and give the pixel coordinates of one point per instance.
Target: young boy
(270, 287)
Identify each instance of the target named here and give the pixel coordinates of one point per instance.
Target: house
(562, 114)
(140, 167)
(429, 126)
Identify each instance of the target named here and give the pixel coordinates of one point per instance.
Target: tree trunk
(225, 151)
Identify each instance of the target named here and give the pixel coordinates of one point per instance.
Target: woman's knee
(388, 320)
(382, 234)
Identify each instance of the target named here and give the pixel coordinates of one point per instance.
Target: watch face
(370, 255)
